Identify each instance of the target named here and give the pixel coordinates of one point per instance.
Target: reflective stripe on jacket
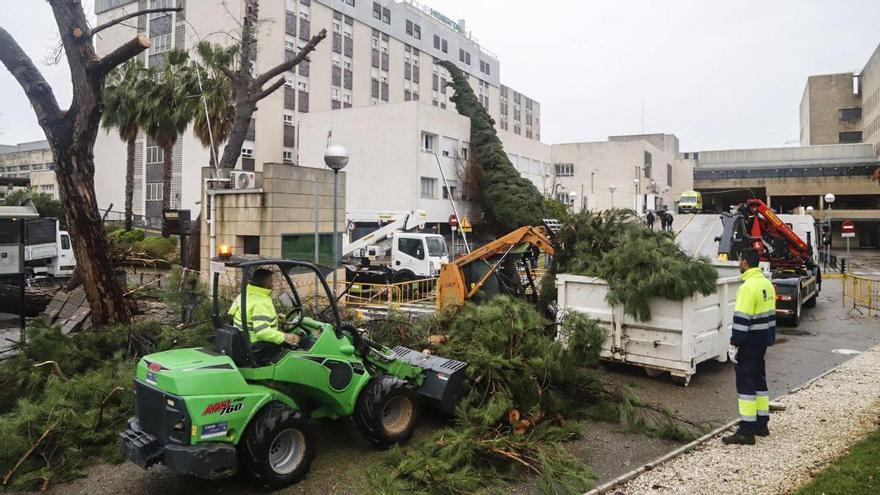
(754, 319)
(261, 316)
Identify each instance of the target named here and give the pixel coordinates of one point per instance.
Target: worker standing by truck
(754, 328)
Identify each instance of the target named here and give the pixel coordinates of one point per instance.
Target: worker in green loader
(266, 339)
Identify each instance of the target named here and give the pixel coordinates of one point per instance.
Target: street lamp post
(636, 183)
(612, 189)
(555, 187)
(336, 157)
(829, 198)
(572, 196)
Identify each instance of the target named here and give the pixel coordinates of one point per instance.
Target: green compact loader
(211, 413)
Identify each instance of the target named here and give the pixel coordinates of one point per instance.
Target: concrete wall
(823, 97)
(285, 204)
(870, 93)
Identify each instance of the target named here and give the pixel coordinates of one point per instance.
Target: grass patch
(856, 473)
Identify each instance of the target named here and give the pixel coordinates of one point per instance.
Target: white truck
(47, 250)
(390, 253)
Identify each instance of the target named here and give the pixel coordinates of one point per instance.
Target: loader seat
(231, 342)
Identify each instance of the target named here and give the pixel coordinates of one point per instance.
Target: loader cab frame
(237, 342)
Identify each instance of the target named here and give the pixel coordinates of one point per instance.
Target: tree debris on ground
(68, 396)
(523, 387)
(507, 199)
(637, 263)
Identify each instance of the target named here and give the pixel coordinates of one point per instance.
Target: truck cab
(415, 256)
(63, 264)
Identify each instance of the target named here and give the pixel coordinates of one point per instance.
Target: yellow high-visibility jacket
(261, 316)
(754, 319)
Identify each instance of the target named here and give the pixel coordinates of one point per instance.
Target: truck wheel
(386, 411)
(811, 302)
(278, 446)
(796, 317)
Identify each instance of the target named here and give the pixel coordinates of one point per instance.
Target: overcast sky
(718, 74)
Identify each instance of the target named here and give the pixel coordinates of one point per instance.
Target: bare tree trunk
(194, 245)
(129, 183)
(71, 135)
(166, 184)
(244, 110)
(248, 88)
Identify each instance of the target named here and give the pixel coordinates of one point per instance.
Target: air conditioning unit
(243, 179)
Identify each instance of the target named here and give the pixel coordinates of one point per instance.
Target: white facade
(401, 152)
(375, 53)
(640, 169)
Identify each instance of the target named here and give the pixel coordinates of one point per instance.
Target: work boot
(762, 431)
(737, 439)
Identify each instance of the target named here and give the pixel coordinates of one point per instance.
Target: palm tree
(168, 110)
(216, 89)
(123, 97)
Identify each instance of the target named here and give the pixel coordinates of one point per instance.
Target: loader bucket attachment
(444, 378)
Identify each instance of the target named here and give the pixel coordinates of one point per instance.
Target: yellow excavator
(503, 266)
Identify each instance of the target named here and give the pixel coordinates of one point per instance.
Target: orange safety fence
(861, 293)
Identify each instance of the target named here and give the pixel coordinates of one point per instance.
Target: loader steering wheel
(294, 318)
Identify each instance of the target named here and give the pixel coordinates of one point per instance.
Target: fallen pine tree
(523, 386)
(637, 263)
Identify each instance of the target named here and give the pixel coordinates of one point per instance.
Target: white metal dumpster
(679, 335)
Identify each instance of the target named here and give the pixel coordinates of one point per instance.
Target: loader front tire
(386, 411)
(278, 446)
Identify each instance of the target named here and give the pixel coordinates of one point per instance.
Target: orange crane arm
(452, 286)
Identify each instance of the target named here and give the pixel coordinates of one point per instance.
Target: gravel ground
(819, 424)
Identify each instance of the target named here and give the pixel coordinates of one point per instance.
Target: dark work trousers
(265, 352)
(751, 387)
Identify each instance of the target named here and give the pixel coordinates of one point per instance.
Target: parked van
(690, 202)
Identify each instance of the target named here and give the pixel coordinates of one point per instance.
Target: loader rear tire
(277, 447)
(386, 411)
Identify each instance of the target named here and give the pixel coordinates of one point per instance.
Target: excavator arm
(460, 281)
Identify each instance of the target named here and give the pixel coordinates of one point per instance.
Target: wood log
(35, 299)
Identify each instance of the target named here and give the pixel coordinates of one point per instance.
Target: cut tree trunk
(244, 109)
(194, 245)
(129, 183)
(35, 299)
(166, 184)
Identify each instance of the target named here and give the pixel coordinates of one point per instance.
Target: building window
(449, 192)
(648, 163)
(155, 154)
(386, 15)
(160, 44)
(436, 42)
(428, 187)
(669, 175)
(377, 11)
(287, 156)
(464, 56)
(427, 142)
(154, 191)
(445, 48)
(850, 114)
(251, 244)
(288, 119)
(850, 137)
(413, 29)
(564, 169)
(247, 152)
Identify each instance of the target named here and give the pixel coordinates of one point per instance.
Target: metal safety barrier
(861, 293)
(358, 295)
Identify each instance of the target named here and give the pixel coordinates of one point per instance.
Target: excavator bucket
(444, 378)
